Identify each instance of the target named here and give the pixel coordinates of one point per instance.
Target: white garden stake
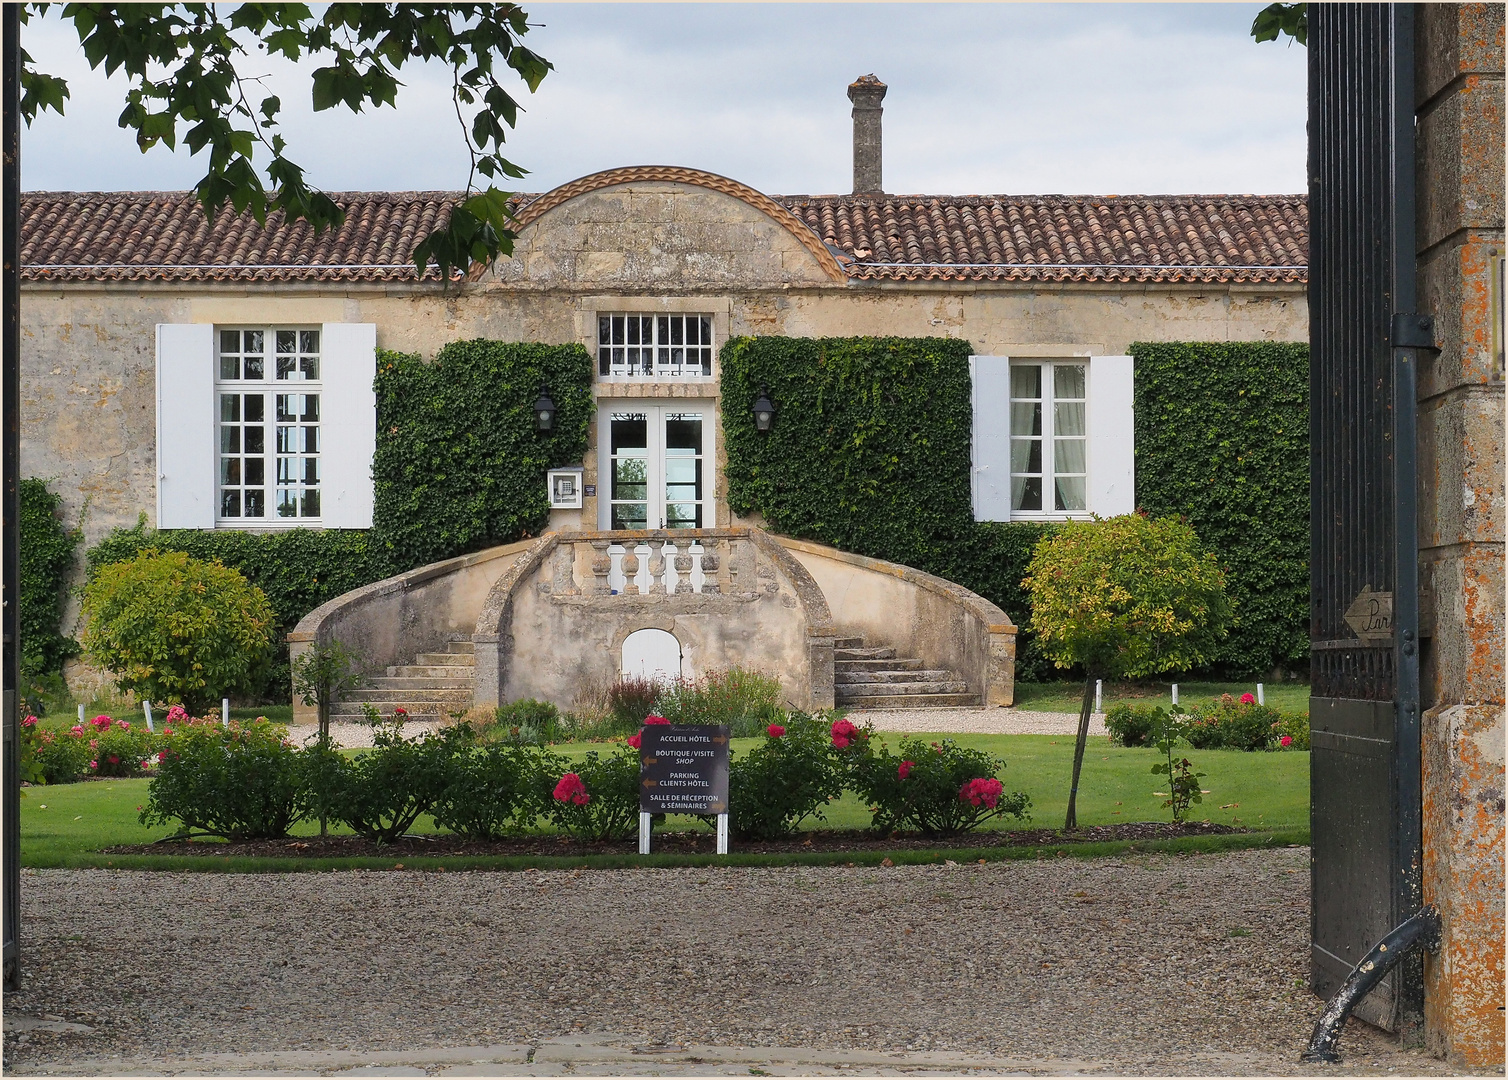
(644, 823)
(81, 714)
(1261, 697)
(1099, 693)
(225, 712)
(146, 707)
(1175, 693)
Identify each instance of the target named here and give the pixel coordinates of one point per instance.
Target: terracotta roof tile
(164, 236)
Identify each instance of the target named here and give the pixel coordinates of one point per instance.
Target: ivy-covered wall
(45, 553)
(1222, 438)
(459, 467)
(870, 453)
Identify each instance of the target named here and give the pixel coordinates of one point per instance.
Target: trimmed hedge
(1222, 438)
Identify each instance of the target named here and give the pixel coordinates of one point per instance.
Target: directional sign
(1370, 616)
(683, 769)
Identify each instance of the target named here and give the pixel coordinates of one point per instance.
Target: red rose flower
(905, 769)
(571, 789)
(635, 740)
(1248, 699)
(774, 731)
(162, 755)
(1286, 740)
(114, 760)
(843, 732)
(655, 718)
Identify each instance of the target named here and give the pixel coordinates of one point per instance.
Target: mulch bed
(851, 840)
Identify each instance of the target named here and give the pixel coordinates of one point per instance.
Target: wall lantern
(544, 411)
(764, 411)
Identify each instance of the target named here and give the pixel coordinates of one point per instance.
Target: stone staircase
(875, 678)
(432, 687)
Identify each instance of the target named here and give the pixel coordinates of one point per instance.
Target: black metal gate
(1365, 782)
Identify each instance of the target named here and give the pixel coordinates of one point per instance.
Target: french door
(656, 465)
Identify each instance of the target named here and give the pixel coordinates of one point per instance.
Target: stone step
(845, 694)
(874, 678)
(433, 671)
(428, 710)
(459, 645)
(893, 664)
(848, 643)
(411, 683)
(864, 654)
(912, 701)
(442, 659)
(458, 695)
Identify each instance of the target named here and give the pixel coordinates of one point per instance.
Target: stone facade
(1459, 82)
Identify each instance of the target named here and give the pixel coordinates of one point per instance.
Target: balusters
(661, 577)
(639, 575)
(690, 565)
(626, 563)
(602, 568)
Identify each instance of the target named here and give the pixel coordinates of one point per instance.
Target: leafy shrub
(939, 788)
(45, 554)
(172, 628)
(1130, 725)
(1229, 724)
(29, 743)
(102, 747)
(526, 723)
(746, 701)
(630, 699)
(784, 780)
(242, 782)
(1127, 596)
(492, 792)
(1168, 729)
(595, 798)
(1291, 726)
(381, 792)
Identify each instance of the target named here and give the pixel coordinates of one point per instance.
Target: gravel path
(974, 721)
(1149, 964)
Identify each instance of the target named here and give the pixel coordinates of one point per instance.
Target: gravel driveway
(1152, 964)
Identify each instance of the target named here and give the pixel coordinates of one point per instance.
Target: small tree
(1126, 597)
(321, 677)
(173, 628)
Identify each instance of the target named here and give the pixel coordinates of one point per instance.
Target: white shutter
(348, 418)
(1112, 436)
(186, 453)
(991, 480)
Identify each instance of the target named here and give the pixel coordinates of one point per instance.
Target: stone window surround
(720, 308)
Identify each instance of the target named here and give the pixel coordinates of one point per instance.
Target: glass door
(655, 462)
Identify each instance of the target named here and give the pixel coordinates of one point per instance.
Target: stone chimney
(866, 92)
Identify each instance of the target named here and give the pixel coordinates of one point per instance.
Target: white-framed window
(268, 390)
(1053, 438)
(265, 427)
(654, 347)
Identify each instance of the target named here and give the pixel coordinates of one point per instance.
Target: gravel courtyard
(1160, 964)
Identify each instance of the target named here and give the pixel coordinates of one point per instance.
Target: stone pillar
(1459, 80)
(866, 92)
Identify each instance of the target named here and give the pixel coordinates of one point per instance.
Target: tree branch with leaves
(184, 63)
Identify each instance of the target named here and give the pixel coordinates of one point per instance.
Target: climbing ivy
(46, 557)
(1222, 438)
(459, 465)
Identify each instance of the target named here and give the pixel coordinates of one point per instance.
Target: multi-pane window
(654, 346)
(269, 433)
(1048, 437)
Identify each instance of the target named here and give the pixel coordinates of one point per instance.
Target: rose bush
(381, 792)
(938, 788)
(1229, 724)
(596, 798)
(491, 792)
(784, 780)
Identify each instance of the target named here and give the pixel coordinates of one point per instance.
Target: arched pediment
(664, 226)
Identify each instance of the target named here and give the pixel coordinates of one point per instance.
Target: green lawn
(1068, 696)
(1268, 791)
(63, 720)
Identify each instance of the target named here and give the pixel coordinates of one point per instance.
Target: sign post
(683, 769)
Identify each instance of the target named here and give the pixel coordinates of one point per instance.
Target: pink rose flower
(571, 789)
(655, 718)
(30, 721)
(114, 760)
(981, 792)
(94, 744)
(94, 764)
(400, 711)
(162, 755)
(1248, 699)
(101, 722)
(635, 740)
(1286, 740)
(774, 731)
(123, 725)
(76, 730)
(175, 715)
(905, 769)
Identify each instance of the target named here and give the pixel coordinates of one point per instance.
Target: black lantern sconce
(544, 411)
(764, 411)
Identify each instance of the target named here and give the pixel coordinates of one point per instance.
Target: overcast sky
(984, 98)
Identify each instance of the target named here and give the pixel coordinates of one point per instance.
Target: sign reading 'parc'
(683, 769)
